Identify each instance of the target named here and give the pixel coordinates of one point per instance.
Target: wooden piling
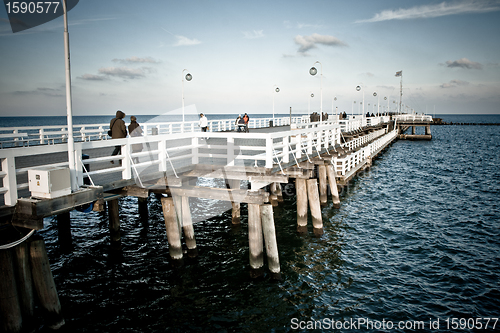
(173, 232)
(44, 284)
(273, 197)
(322, 184)
(314, 205)
(187, 227)
(236, 207)
(236, 213)
(24, 282)
(143, 209)
(301, 190)
(255, 240)
(333, 186)
(114, 223)
(10, 309)
(269, 230)
(279, 192)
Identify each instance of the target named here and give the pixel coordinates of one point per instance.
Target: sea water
(416, 243)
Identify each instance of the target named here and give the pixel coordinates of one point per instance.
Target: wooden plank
(233, 195)
(250, 176)
(29, 212)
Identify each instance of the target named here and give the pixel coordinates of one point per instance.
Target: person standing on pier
(118, 131)
(203, 122)
(135, 130)
(246, 118)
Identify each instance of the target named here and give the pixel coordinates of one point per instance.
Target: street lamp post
(276, 90)
(358, 88)
(313, 71)
(378, 103)
(189, 77)
(309, 104)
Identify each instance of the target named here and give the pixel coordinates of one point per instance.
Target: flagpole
(71, 143)
(401, 93)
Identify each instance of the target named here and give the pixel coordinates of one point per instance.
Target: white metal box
(49, 182)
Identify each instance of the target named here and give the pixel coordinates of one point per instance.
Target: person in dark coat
(135, 130)
(246, 118)
(118, 131)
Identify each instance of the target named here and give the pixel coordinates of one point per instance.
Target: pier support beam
(322, 184)
(236, 207)
(45, 286)
(428, 130)
(314, 205)
(301, 191)
(25, 284)
(236, 213)
(114, 223)
(255, 241)
(187, 226)
(269, 230)
(10, 310)
(173, 232)
(333, 186)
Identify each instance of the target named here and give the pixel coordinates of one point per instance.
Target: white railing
(348, 164)
(169, 153)
(36, 135)
(413, 117)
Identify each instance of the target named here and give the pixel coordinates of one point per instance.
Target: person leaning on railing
(118, 131)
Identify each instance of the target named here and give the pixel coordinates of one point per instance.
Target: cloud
(92, 77)
(137, 60)
(464, 63)
(454, 83)
(125, 72)
(437, 10)
(310, 42)
(310, 26)
(253, 34)
(184, 41)
(50, 92)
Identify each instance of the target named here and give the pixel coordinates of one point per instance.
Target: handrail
(169, 153)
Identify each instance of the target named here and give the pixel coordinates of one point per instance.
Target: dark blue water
(417, 239)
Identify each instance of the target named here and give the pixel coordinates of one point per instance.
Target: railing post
(9, 181)
(298, 148)
(309, 143)
(79, 170)
(269, 152)
(126, 173)
(286, 154)
(162, 155)
(230, 151)
(41, 136)
(194, 151)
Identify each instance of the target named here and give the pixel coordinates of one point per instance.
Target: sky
(133, 55)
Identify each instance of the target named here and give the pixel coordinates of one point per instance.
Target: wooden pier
(319, 157)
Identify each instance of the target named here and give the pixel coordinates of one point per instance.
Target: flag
(400, 73)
